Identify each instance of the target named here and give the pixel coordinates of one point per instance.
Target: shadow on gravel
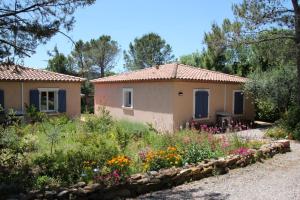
(184, 193)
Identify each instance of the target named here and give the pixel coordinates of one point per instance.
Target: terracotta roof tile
(172, 72)
(20, 73)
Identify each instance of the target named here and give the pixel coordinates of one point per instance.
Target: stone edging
(166, 178)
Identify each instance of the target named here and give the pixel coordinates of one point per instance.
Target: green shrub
(266, 111)
(14, 163)
(155, 160)
(68, 166)
(255, 144)
(134, 129)
(296, 132)
(43, 181)
(29, 142)
(291, 121)
(236, 142)
(277, 133)
(126, 131)
(98, 124)
(33, 115)
(197, 152)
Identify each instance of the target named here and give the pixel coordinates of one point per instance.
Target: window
(201, 104)
(238, 102)
(127, 97)
(48, 100)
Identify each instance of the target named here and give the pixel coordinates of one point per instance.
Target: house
(50, 92)
(167, 96)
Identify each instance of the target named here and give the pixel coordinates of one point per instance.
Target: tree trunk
(297, 33)
(101, 71)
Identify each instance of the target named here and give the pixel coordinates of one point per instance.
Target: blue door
(201, 104)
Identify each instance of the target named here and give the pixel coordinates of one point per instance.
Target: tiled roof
(20, 73)
(172, 71)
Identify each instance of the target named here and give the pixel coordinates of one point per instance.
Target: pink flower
(243, 151)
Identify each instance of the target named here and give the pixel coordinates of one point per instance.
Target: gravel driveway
(276, 178)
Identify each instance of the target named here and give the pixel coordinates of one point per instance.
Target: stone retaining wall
(166, 178)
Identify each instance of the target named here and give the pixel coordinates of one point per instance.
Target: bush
(277, 133)
(296, 132)
(43, 181)
(291, 121)
(266, 111)
(155, 160)
(134, 129)
(236, 142)
(98, 124)
(14, 164)
(198, 152)
(33, 115)
(68, 167)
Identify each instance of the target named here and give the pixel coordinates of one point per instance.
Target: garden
(58, 151)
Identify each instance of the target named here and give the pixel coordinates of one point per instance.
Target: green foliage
(68, 166)
(98, 124)
(43, 181)
(102, 53)
(60, 63)
(33, 115)
(82, 154)
(147, 51)
(156, 160)
(266, 111)
(47, 18)
(126, 131)
(135, 129)
(296, 132)
(291, 121)
(198, 152)
(236, 142)
(194, 59)
(277, 133)
(14, 165)
(274, 90)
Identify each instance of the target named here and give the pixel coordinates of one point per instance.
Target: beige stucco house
(168, 96)
(49, 92)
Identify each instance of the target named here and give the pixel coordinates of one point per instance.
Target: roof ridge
(217, 72)
(133, 71)
(59, 76)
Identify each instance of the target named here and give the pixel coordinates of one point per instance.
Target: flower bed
(165, 178)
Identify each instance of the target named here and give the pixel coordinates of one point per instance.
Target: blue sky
(181, 23)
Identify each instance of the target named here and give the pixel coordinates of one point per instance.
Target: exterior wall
(152, 102)
(13, 94)
(220, 100)
(159, 103)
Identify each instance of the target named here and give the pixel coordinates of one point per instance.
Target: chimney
(157, 66)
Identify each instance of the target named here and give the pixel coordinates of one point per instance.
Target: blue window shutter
(62, 101)
(1, 98)
(201, 104)
(238, 103)
(34, 98)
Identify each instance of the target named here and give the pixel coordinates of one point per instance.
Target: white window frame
(123, 98)
(233, 102)
(55, 90)
(194, 106)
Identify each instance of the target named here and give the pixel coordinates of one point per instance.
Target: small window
(48, 100)
(238, 108)
(127, 97)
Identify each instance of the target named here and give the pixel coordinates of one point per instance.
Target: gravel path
(275, 178)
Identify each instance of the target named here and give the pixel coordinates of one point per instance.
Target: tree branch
(269, 39)
(17, 47)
